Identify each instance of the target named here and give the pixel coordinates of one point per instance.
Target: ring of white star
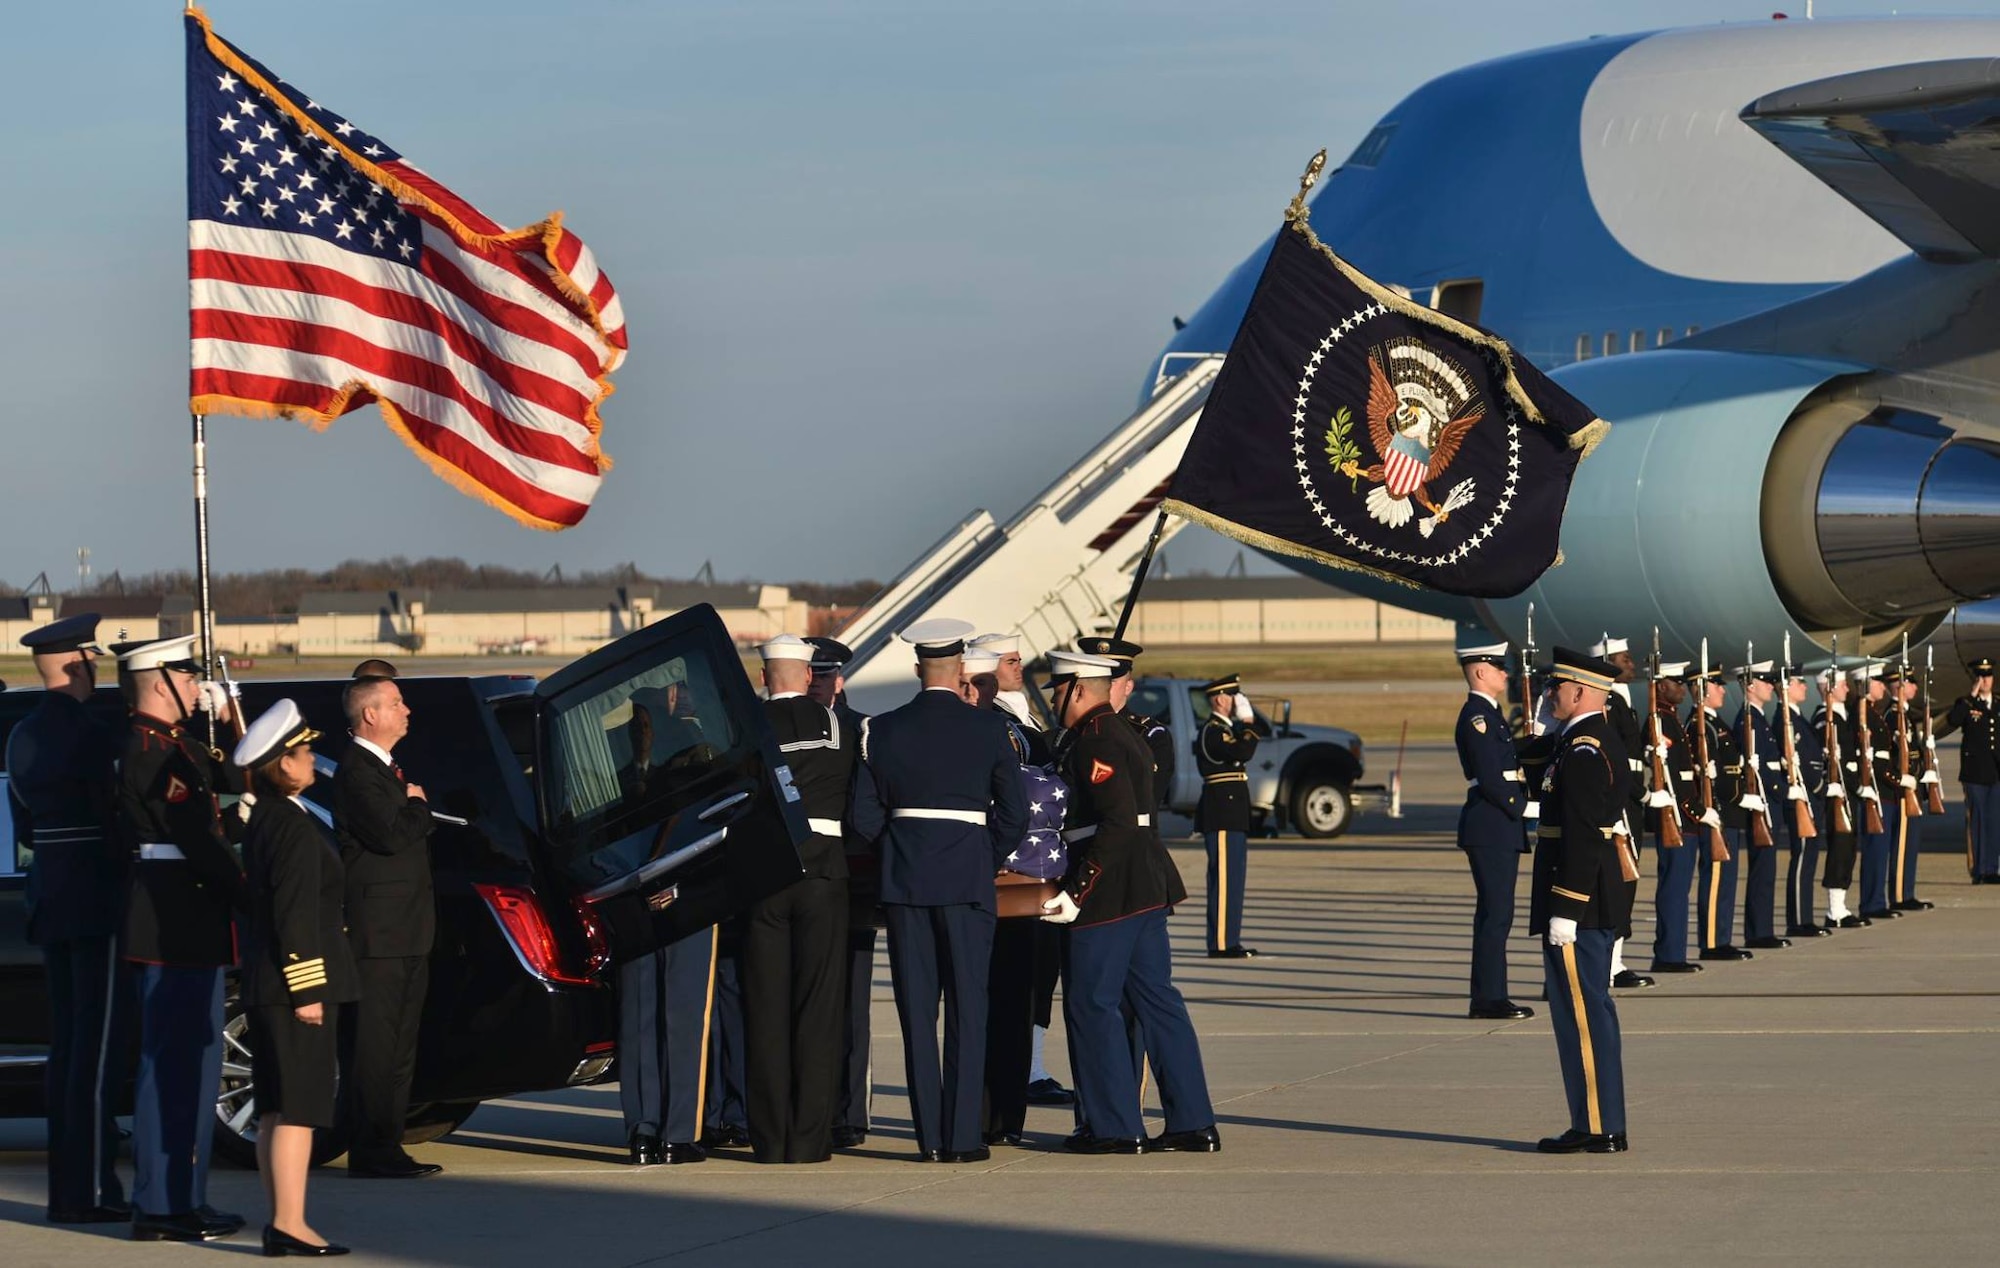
(1340, 330)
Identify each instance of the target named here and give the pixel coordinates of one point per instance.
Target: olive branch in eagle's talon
(1340, 447)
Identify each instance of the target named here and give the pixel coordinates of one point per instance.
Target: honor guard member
(665, 997)
(1715, 881)
(1979, 771)
(179, 929)
(1491, 830)
(939, 792)
(1014, 693)
(1682, 800)
(1763, 795)
(1878, 848)
(1624, 719)
(1115, 898)
(1222, 753)
(60, 767)
(1842, 797)
(864, 914)
(1579, 902)
(1803, 864)
(1906, 838)
(794, 969)
(1158, 736)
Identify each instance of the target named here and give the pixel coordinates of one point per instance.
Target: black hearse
(567, 840)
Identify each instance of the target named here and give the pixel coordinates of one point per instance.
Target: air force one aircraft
(1768, 254)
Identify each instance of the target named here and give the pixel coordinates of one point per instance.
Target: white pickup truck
(1307, 778)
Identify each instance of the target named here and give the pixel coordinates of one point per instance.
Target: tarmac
(1836, 1102)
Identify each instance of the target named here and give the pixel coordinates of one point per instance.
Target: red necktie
(397, 771)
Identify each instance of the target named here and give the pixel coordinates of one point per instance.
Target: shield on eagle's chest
(1405, 467)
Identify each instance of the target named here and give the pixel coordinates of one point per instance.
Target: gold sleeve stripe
(306, 968)
(1570, 893)
(299, 987)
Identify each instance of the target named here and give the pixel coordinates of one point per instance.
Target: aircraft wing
(1916, 147)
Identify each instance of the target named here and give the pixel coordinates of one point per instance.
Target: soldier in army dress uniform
(1491, 829)
(1580, 901)
(1222, 753)
(1972, 715)
(60, 768)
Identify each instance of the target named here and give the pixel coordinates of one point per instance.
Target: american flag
(325, 272)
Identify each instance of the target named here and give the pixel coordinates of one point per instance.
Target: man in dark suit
(384, 826)
(939, 791)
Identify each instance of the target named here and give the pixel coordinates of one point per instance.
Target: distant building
(127, 617)
(1217, 611)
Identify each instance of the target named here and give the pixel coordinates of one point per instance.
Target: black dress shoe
(1770, 943)
(931, 1155)
(188, 1226)
(1002, 1138)
(849, 1137)
(392, 1169)
(1049, 1092)
(1085, 1143)
(277, 1243)
(727, 1136)
(1914, 904)
(1202, 1140)
(1851, 921)
(647, 1151)
(1991, 878)
(1808, 931)
(1499, 1010)
(1675, 966)
(1726, 953)
(1576, 1142)
(980, 1154)
(676, 1152)
(1885, 913)
(1235, 953)
(1627, 980)
(109, 1213)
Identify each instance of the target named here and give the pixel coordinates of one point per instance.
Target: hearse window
(632, 754)
(14, 854)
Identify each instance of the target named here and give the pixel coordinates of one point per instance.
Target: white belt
(1090, 830)
(959, 816)
(161, 851)
(825, 827)
(1511, 776)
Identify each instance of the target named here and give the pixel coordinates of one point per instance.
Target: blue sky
(882, 262)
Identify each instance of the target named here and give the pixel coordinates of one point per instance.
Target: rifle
(1803, 827)
(1704, 767)
(1753, 768)
(1664, 794)
(1912, 808)
(1864, 735)
(1842, 814)
(1528, 676)
(1934, 788)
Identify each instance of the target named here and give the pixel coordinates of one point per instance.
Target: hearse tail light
(597, 948)
(527, 928)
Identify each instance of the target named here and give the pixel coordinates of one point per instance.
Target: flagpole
(1139, 574)
(203, 599)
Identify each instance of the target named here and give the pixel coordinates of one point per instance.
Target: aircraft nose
(1909, 519)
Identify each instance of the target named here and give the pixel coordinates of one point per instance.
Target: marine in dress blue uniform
(1803, 864)
(1581, 899)
(939, 793)
(1625, 721)
(1222, 752)
(1115, 898)
(186, 890)
(1907, 838)
(1764, 794)
(1491, 828)
(1680, 799)
(1715, 884)
(1878, 848)
(1972, 715)
(60, 769)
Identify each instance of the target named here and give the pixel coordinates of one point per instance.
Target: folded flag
(1354, 427)
(325, 272)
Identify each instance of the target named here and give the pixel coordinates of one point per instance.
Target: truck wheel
(236, 1099)
(437, 1120)
(1321, 806)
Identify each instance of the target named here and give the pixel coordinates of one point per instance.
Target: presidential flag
(1354, 427)
(325, 272)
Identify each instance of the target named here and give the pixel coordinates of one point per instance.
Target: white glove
(1868, 793)
(1930, 777)
(1561, 932)
(1751, 802)
(1909, 781)
(1710, 772)
(1711, 818)
(1797, 792)
(1244, 713)
(1659, 799)
(212, 698)
(1930, 742)
(1533, 810)
(1061, 909)
(1836, 791)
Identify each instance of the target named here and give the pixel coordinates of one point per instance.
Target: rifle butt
(1912, 808)
(1670, 828)
(1935, 799)
(1718, 846)
(1760, 831)
(1803, 827)
(1872, 817)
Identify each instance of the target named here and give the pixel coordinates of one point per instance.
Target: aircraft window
(1610, 343)
(1461, 299)
(1692, 331)
(1583, 347)
(1636, 342)
(1369, 152)
(1662, 337)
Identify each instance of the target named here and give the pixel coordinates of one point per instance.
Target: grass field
(1359, 662)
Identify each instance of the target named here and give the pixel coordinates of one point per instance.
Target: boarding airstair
(1058, 569)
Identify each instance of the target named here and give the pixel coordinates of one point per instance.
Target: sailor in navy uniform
(1906, 838)
(794, 973)
(864, 915)
(186, 890)
(1115, 898)
(1579, 902)
(1878, 848)
(1973, 716)
(1681, 799)
(1715, 882)
(1222, 753)
(1842, 789)
(939, 792)
(1763, 793)
(1490, 826)
(1803, 865)
(60, 763)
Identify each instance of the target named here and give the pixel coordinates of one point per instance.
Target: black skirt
(295, 1066)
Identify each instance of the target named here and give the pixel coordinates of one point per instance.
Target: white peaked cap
(1862, 673)
(160, 654)
(939, 636)
(277, 730)
(1067, 664)
(1488, 651)
(786, 647)
(998, 644)
(1672, 668)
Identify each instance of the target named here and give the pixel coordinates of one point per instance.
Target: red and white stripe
(495, 367)
(1401, 473)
